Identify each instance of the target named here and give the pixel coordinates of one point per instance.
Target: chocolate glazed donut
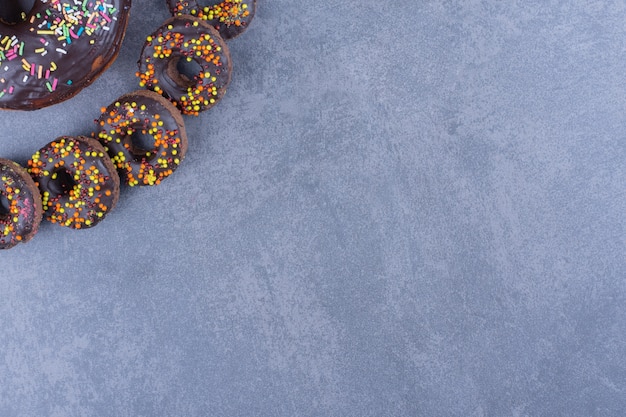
(144, 135)
(58, 48)
(230, 17)
(78, 182)
(187, 61)
(20, 205)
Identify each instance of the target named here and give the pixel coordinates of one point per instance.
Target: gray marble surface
(409, 208)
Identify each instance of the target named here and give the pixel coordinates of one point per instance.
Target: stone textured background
(408, 208)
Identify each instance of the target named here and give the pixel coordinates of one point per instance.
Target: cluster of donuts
(58, 48)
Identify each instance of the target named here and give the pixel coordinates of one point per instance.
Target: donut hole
(5, 205)
(61, 182)
(12, 12)
(141, 145)
(184, 71)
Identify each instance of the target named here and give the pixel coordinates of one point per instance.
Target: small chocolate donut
(77, 180)
(144, 135)
(57, 48)
(187, 62)
(20, 205)
(230, 17)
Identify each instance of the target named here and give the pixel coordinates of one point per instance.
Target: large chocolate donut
(230, 17)
(78, 182)
(188, 62)
(20, 205)
(59, 47)
(144, 135)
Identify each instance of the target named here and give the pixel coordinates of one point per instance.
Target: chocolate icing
(78, 182)
(147, 113)
(60, 48)
(230, 17)
(19, 221)
(188, 39)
